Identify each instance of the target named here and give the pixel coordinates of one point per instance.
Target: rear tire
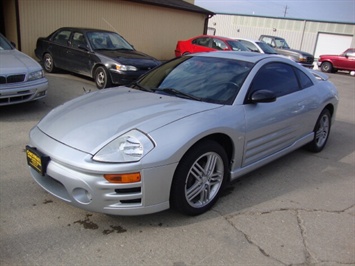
(321, 132)
(199, 178)
(48, 63)
(326, 67)
(102, 78)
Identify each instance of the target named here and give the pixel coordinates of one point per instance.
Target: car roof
(214, 36)
(237, 55)
(245, 39)
(272, 36)
(83, 29)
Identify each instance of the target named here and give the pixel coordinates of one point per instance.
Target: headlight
(292, 58)
(120, 67)
(130, 147)
(35, 75)
(303, 58)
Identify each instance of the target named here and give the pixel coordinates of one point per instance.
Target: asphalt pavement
(298, 210)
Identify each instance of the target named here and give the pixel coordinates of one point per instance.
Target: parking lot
(299, 209)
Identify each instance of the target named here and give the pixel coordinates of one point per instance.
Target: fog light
(82, 195)
(42, 93)
(123, 178)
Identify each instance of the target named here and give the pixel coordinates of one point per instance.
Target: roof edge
(285, 18)
(175, 4)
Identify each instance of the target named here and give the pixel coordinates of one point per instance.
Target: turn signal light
(123, 178)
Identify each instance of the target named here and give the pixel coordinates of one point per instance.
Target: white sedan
(180, 133)
(21, 77)
(257, 46)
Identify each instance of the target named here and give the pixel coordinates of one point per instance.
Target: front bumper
(72, 177)
(307, 65)
(124, 78)
(127, 77)
(20, 92)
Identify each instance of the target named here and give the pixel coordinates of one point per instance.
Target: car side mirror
(262, 96)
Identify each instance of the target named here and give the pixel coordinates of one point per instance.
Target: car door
(79, 55)
(346, 60)
(202, 44)
(59, 48)
(274, 126)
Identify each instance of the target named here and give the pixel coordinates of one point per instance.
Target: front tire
(199, 178)
(102, 78)
(326, 67)
(321, 132)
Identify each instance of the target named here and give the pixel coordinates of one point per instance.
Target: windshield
(281, 43)
(215, 80)
(266, 48)
(108, 41)
(4, 44)
(237, 46)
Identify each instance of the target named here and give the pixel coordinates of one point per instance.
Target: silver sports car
(180, 133)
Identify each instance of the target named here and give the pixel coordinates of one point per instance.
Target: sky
(323, 10)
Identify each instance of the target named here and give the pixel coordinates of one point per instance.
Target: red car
(208, 43)
(333, 63)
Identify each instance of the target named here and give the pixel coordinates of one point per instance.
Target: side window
(305, 81)
(62, 37)
(78, 40)
(267, 40)
(202, 41)
(279, 78)
(350, 53)
(218, 44)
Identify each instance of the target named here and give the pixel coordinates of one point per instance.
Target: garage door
(332, 44)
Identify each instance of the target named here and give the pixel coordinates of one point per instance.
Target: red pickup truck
(333, 63)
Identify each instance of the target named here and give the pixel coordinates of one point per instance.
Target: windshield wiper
(123, 49)
(178, 93)
(140, 87)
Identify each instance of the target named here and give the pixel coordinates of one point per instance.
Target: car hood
(329, 56)
(130, 57)
(298, 52)
(90, 121)
(13, 61)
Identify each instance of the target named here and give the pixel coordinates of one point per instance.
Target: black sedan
(102, 55)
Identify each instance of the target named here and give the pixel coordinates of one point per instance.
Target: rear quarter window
(202, 41)
(304, 80)
(62, 37)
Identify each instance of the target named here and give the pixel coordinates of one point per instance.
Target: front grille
(310, 60)
(132, 195)
(14, 99)
(131, 201)
(128, 190)
(12, 78)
